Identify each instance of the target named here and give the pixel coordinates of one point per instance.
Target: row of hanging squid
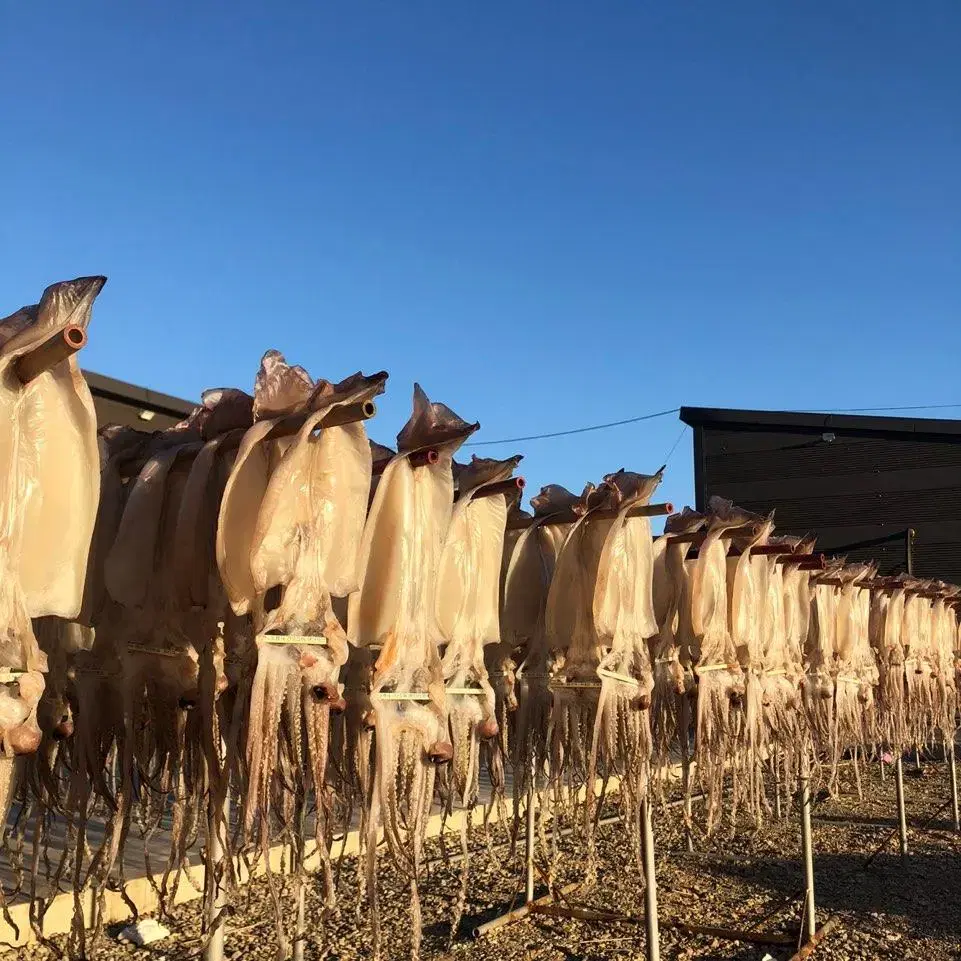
(281, 630)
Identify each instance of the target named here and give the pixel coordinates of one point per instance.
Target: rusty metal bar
(606, 513)
(336, 417)
(705, 930)
(730, 934)
(521, 912)
(507, 487)
(774, 550)
(59, 347)
(424, 458)
(807, 949)
(579, 914)
(688, 537)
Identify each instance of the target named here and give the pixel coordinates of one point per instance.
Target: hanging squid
(48, 504)
(303, 473)
(720, 676)
(527, 582)
(819, 683)
(395, 609)
(624, 621)
(467, 612)
(782, 660)
(855, 670)
(672, 676)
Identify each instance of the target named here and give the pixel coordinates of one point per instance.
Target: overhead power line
(675, 410)
(575, 430)
(670, 453)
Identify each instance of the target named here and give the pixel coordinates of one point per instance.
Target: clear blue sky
(551, 214)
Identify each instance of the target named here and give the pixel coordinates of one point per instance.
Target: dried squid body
(395, 608)
(47, 422)
(914, 666)
(467, 612)
(819, 658)
(756, 624)
(783, 661)
(721, 681)
(855, 671)
(624, 621)
(672, 676)
(944, 631)
(291, 519)
(887, 611)
(501, 665)
(527, 581)
(574, 642)
(306, 542)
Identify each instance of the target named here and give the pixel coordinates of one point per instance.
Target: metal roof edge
(101, 385)
(720, 416)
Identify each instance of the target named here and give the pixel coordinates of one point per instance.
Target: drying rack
(811, 934)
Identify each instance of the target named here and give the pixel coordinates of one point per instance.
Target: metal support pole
(902, 818)
(217, 821)
(807, 851)
(298, 953)
(953, 775)
(686, 770)
(777, 786)
(529, 840)
(650, 887)
(10, 768)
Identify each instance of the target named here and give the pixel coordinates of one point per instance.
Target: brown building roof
(860, 483)
(117, 402)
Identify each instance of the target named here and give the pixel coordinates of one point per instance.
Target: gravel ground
(892, 908)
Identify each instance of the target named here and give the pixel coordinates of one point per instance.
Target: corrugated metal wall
(862, 486)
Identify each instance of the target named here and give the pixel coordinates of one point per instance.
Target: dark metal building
(117, 402)
(859, 483)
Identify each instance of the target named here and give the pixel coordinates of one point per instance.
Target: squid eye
(440, 752)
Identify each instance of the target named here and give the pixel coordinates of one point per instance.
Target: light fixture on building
(147, 414)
